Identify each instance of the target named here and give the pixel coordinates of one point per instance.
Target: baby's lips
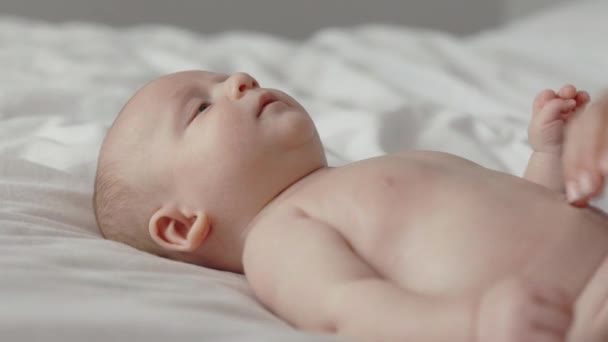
(265, 99)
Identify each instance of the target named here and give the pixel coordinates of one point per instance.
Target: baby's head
(193, 157)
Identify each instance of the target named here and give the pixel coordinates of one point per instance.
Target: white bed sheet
(371, 90)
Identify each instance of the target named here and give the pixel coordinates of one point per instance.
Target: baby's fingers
(554, 109)
(582, 98)
(567, 92)
(542, 99)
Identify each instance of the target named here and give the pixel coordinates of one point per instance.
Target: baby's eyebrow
(219, 77)
(184, 94)
(179, 101)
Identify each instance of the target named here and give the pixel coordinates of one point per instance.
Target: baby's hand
(518, 310)
(551, 113)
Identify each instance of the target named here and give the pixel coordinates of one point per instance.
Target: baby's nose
(238, 83)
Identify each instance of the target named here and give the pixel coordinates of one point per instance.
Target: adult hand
(585, 154)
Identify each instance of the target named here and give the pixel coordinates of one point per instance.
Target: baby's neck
(283, 196)
(280, 198)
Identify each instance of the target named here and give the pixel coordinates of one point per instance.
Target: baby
(213, 170)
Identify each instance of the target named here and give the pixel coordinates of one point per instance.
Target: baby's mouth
(265, 99)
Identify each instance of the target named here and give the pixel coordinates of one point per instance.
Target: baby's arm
(545, 169)
(551, 114)
(310, 276)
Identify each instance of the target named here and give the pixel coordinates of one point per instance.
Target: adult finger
(582, 149)
(600, 109)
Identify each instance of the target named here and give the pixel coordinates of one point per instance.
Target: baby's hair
(126, 189)
(120, 204)
(118, 209)
(123, 208)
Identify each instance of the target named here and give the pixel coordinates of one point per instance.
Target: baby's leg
(519, 310)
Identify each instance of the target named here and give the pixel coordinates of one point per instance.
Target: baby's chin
(294, 128)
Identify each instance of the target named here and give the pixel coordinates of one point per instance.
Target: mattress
(370, 89)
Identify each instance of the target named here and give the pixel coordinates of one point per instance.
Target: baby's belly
(484, 235)
(469, 227)
(459, 257)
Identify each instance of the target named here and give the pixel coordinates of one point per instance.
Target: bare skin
(437, 242)
(421, 246)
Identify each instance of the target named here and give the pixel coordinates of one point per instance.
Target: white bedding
(371, 90)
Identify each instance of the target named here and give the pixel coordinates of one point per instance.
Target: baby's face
(223, 145)
(227, 126)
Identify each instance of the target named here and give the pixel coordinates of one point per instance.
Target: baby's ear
(175, 230)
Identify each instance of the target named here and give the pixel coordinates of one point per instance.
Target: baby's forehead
(188, 78)
(157, 101)
(175, 87)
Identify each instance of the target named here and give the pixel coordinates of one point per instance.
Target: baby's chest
(432, 231)
(380, 195)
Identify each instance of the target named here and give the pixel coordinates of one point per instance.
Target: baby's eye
(203, 107)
